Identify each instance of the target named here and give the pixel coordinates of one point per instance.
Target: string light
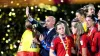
(6, 41)
(12, 9)
(15, 46)
(11, 46)
(38, 9)
(8, 30)
(32, 8)
(38, 19)
(98, 6)
(60, 18)
(10, 19)
(9, 40)
(35, 6)
(2, 52)
(3, 38)
(8, 26)
(72, 12)
(10, 13)
(6, 34)
(13, 14)
(18, 41)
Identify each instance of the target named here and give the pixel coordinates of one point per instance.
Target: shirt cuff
(42, 42)
(30, 19)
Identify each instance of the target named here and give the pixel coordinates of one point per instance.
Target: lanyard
(65, 46)
(90, 31)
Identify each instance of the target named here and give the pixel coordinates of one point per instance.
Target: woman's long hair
(80, 31)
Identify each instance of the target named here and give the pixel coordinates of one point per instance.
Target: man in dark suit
(47, 32)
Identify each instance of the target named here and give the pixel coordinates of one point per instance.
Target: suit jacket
(46, 43)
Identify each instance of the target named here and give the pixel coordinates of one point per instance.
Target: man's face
(49, 22)
(89, 22)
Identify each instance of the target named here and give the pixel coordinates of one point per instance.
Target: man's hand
(27, 11)
(41, 38)
(36, 41)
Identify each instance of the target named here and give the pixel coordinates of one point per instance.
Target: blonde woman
(79, 36)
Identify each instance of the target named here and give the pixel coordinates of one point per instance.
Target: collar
(51, 29)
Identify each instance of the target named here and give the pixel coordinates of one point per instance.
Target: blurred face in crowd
(98, 14)
(91, 10)
(74, 30)
(50, 21)
(98, 26)
(89, 22)
(78, 16)
(61, 29)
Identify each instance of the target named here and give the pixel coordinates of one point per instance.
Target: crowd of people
(57, 39)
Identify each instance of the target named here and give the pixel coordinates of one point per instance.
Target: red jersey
(57, 45)
(91, 35)
(84, 43)
(96, 44)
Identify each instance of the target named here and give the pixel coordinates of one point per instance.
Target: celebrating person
(47, 32)
(29, 43)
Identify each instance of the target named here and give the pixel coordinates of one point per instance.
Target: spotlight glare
(8, 26)
(11, 47)
(9, 39)
(10, 13)
(15, 46)
(38, 19)
(18, 41)
(60, 18)
(2, 52)
(12, 2)
(38, 9)
(8, 30)
(12, 9)
(10, 19)
(13, 14)
(72, 12)
(6, 41)
(6, 34)
(3, 38)
(32, 8)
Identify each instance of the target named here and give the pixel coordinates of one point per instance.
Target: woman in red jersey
(96, 41)
(80, 38)
(62, 43)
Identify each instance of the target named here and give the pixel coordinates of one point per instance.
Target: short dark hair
(92, 17)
